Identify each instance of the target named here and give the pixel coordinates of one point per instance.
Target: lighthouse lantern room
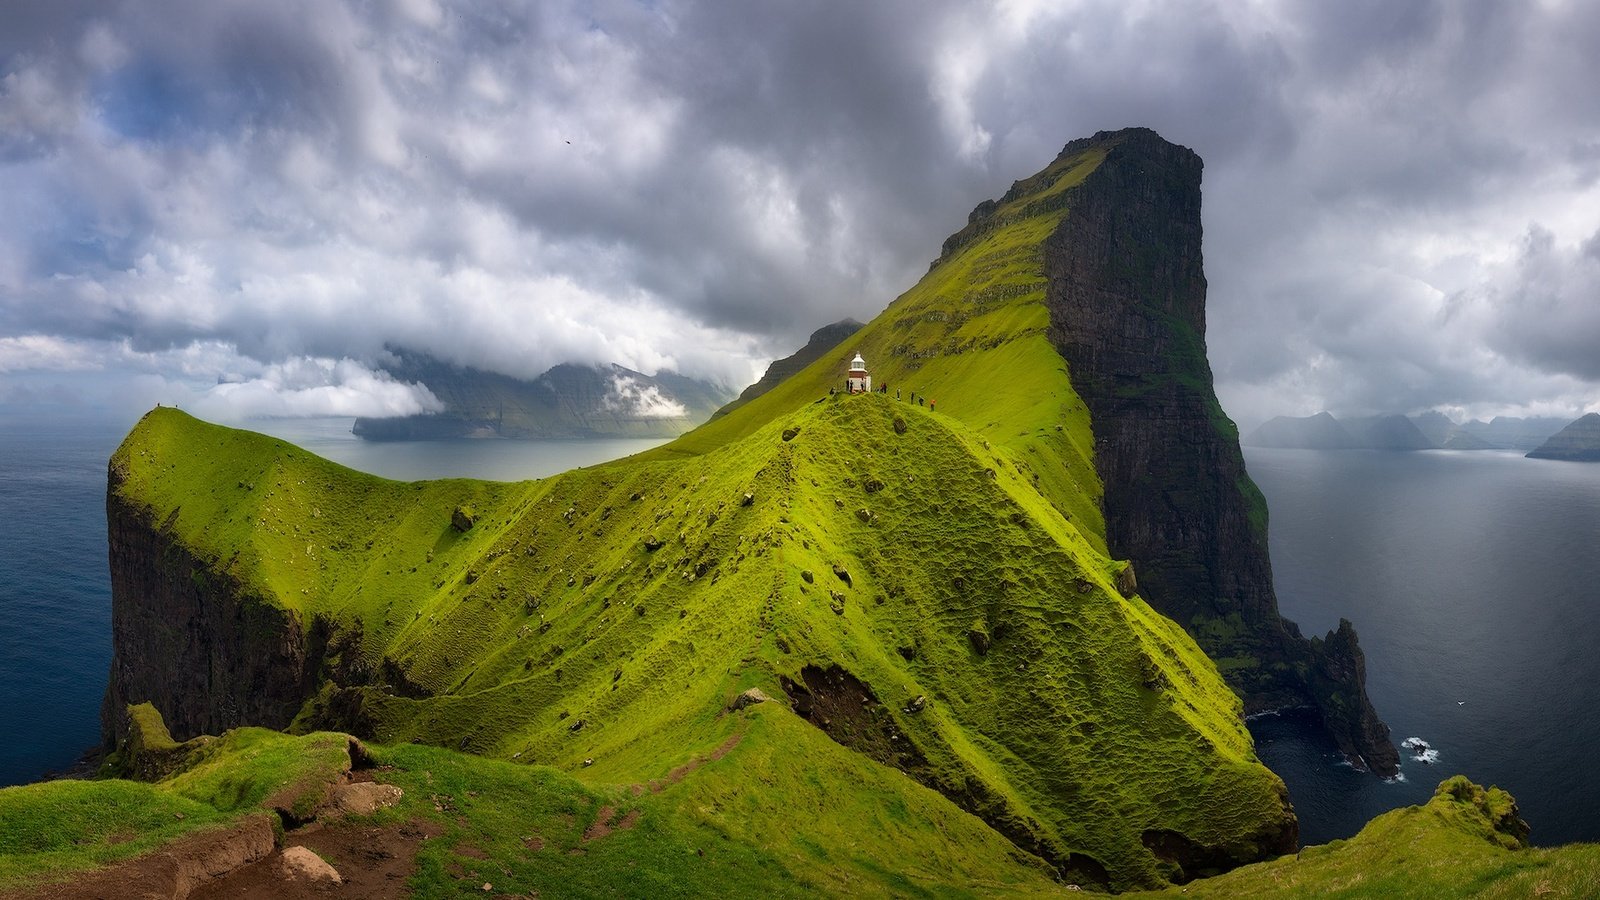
(858, 381)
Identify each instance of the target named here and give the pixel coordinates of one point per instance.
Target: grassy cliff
(929, 587)
(922, 563)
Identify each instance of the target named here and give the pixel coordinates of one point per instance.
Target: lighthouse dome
(858, 364)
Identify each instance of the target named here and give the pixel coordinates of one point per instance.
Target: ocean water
(55, 587)
(1473, 580)
(55, 592)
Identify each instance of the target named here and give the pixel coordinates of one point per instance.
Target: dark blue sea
(55, 587)
(1472, 578)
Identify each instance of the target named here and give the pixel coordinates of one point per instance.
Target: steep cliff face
(189, 639)
(1126, 297)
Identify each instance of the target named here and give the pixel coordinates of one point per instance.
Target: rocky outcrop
(822, 340)
(1578, 442)
(1337, 684)
(192, 641)
(298, 865)
(1126, 294)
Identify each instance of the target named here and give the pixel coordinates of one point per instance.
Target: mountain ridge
(566, 401)
(1578, 442)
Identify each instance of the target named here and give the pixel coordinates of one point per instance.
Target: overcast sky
(243, 205)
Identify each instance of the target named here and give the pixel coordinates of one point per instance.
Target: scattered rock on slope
(299, 865)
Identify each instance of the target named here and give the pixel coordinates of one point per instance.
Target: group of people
(884, 389)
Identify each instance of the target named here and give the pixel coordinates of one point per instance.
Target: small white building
(858, 381)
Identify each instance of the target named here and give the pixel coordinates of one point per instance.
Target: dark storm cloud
(1398, 196)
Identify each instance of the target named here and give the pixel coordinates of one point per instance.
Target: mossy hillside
(291, 528)
(948, 548)
(1089, 720)
(971, 336)
(551, 632)
(52, 829)
(1464, 842)
(747, 819)
(55, 828)
(725, 824)
(743, 820)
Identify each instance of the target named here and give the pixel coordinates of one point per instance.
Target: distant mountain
(1579, 441)
(568, 401)
(1323, 432)
(1462, 440)
(1509, 433)
(1444, 432)
(1437, 426)
(1394, 432)
(1319, 432)
(822, 340)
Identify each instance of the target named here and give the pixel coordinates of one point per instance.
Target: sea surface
(55, 588)
(1473, 580)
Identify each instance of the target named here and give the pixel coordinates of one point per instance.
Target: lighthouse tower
(858, 381)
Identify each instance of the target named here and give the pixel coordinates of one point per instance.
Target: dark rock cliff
(191, 641)
(1126, 296)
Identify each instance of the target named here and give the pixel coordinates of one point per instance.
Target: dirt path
(374, 862)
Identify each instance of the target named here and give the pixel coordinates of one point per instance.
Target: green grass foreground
(742, 821)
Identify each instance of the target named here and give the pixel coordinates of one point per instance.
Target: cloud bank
(257, 201)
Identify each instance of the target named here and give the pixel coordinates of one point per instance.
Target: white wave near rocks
(1421, 750)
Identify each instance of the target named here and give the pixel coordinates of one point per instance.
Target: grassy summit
(1068, 731)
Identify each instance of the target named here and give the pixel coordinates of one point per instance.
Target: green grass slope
(722, 824)
(551, 632)
(1465, 842)
(741, 820)
(610, 614)
(50, 830)
(970, 336)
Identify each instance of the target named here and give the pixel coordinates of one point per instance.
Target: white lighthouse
(858, 381)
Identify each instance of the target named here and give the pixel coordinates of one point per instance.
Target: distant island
(1431, 430)
(1578, 442)
(567, 401)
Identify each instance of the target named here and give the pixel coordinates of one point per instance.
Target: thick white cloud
(314, 387)
(1398, 197)
(630, 398)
